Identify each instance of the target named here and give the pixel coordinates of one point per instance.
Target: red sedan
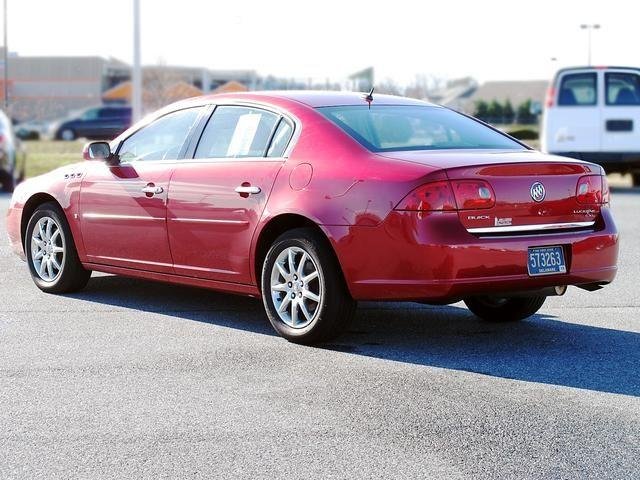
(316, 200)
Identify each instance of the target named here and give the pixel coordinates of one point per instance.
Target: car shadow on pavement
(541, 349)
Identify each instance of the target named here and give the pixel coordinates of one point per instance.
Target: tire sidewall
(310, 248)
(47, 211)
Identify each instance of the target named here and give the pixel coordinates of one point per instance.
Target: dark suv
(100, 123)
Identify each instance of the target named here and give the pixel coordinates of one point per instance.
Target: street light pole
(5, 83)
(136, 77)
(589, 28)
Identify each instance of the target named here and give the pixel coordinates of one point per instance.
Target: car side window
(236, 132)
(162, 139)
(578, 89)
(622, 88)
(91, 114)
(280, 139)
(112, 113)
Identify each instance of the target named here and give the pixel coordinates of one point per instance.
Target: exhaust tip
(560, 290)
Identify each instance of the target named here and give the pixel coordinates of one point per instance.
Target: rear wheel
(303, 290)
(51, 254)
(502, 309)
(67, 134)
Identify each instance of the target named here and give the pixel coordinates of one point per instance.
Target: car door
(87, 124)
(572, 123)
(217, 198)
(123, 208)
(620, 125)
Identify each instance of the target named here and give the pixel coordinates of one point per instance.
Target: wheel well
(34, 202)
(276, 227)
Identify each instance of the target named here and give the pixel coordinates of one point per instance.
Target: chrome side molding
(532, 228)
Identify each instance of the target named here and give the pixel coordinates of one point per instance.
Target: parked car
(593, 113)
(94, 123)
(33, 130)
(12, 156)
(316, 200)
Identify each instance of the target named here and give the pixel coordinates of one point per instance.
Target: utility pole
(5, 83)
(136, 77)
(589, 28)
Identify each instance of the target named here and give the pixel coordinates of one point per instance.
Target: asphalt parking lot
(132, 379)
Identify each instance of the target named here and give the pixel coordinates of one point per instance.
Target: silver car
(12, 156)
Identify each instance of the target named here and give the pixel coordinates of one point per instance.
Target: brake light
(435, 196)
(590, 190)
(606, 193)
(551, 95)
(473, 194)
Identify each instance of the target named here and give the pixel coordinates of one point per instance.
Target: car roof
(598, 67)
(319, 98)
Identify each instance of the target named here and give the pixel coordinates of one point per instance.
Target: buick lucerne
(315, 200)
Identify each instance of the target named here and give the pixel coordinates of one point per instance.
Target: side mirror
(99, 151)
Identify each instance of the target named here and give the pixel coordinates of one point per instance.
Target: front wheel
(501, 309)
(303, 290)
(635, 179)
(51, 254)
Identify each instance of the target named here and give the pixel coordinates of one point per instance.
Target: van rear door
(572, 121)
(621, 114)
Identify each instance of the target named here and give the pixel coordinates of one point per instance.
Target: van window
(622, 88)
(578, 89)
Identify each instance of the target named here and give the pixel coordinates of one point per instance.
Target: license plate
(546, 261)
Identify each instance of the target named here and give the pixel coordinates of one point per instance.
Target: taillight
(473, 194)
(429, 197)
(606, 194)
(551, 95)
(592, 189)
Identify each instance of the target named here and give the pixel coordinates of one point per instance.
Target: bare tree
(156, 83)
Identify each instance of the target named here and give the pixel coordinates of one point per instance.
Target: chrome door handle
(153, 190)
(251, 190)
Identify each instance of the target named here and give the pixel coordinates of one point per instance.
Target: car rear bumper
(408, 257)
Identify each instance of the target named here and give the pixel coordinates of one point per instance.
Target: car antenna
(369, 97)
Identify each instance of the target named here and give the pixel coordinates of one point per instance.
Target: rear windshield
(385, 128)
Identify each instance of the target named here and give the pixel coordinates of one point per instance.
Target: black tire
(7, 181)
(499, 310)
(635, 179)
(335, 308)
(71, 276)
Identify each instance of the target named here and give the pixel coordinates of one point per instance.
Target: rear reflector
(473, 194)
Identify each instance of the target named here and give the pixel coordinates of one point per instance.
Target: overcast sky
(487, 39)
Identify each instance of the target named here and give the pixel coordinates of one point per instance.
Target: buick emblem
(537, 192)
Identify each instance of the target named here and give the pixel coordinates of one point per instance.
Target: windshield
(386, 128)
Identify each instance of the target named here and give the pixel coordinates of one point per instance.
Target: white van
(593, 113)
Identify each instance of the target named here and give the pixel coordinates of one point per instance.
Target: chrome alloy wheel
(296, 287)
(47, 249)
